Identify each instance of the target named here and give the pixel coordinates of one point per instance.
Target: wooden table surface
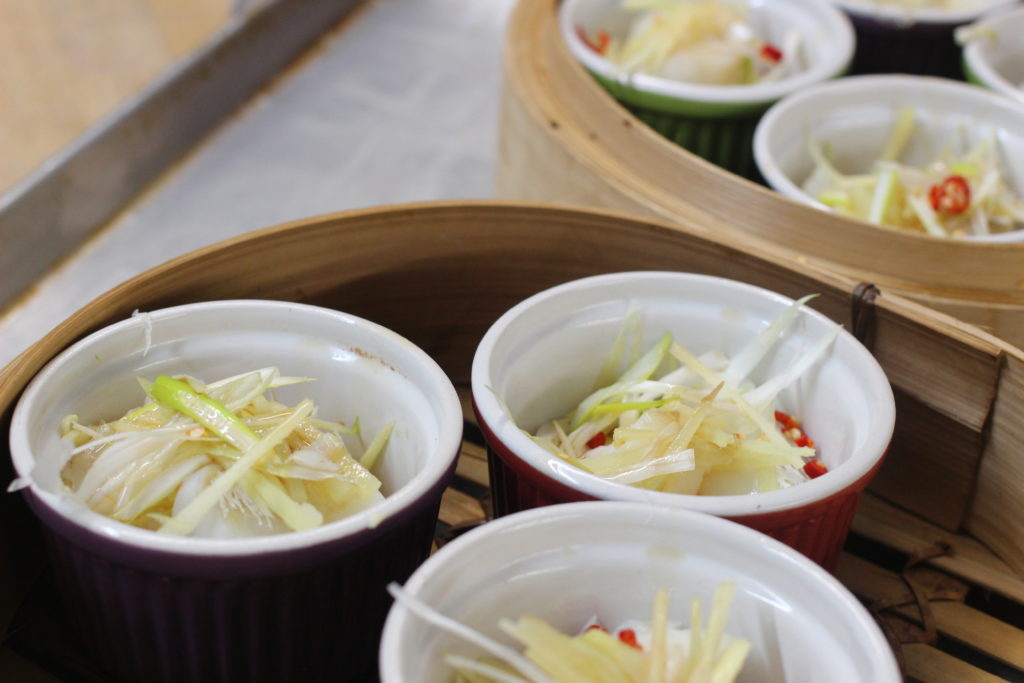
(64, 64)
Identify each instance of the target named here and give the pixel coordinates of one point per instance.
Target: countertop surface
(398, 104)
(64, 64)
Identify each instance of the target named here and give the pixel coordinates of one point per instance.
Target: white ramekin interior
(998, 61)
(568, 563)
(956, 13)
(543, 355)
(360, 369)
(827, 47)
(854, 117)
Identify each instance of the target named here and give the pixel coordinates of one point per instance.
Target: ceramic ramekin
(541, 357)
(854, 117)
(714, 122)
(894, 39)
(995, 58)
(569, 563)
(296, 606)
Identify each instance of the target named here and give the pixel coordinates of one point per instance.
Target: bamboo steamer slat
(967, 557)
(564, 139)
(953, 618)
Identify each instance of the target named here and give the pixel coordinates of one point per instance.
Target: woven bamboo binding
(440, 274)
(564, 139)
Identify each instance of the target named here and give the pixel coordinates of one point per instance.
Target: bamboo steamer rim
(182, 273)
(674, 184)
(461, 264)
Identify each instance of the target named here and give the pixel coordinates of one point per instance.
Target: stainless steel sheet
(399, 104)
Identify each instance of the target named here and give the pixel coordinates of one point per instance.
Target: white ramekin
(541, 357)
(827, 45)
(360, 369)
(996, 60)
(855, 115)
(569, 563)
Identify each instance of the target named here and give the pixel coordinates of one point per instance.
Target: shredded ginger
(698, 41)
(636, 652)
(957, 195)
(221, 460)
(701, 427)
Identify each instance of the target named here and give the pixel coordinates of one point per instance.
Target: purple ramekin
(305, 605)
(891, 39)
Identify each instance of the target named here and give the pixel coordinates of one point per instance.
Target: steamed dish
(223, 459)
(657, 651)
(964, 192)
(697, 41)
(680, 423)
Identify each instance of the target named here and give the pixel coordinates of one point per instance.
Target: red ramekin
(541, 357)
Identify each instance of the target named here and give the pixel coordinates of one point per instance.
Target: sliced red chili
(596, 440)
(952, 195)
(814, 468)
(771, 53)
(597, 627)
(787, 421)
(628, 636)
(792, 430)
(603, 40)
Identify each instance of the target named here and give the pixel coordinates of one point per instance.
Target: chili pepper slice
(791, 428)
(603, 40)
(814, 468)
(628, 636)
(952, 195)
(804, 441)
(596, 440)
(597, 627)
(787, 421)
(771, 53)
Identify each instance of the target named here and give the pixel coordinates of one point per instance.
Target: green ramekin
(714, 122)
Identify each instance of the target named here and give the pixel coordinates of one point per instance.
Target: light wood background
(64, 64)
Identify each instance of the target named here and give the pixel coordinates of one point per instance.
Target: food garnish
(222, 460)
(636, 652)
(696, 41)
(679, 423)
(958, 194)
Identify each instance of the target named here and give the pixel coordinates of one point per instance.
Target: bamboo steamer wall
(955, 458)
(564, 139)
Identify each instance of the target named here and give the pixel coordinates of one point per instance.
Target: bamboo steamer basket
(563, 138)
(956, 455)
